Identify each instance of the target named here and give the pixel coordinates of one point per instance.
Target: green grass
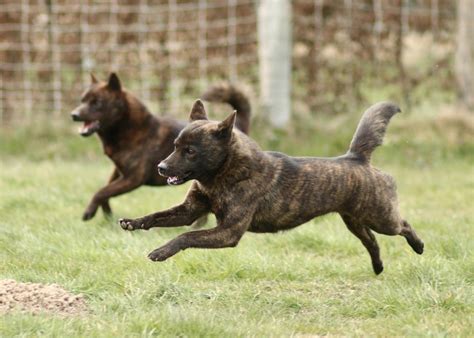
(314, 280)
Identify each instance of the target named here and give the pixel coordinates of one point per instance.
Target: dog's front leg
(183, 214)
(194, 206)
(117, 187)
(226, 234)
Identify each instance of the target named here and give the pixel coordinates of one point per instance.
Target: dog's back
(297, 189)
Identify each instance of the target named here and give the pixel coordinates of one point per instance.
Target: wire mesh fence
(169, 49)
(344, 48)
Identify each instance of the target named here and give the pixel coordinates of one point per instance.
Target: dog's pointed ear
(197, 112)
(94, 79)
(114, 82)
(224, 128)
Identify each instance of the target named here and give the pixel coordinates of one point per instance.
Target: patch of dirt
(39, 298)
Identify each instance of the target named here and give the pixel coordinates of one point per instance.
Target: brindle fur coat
(259, 191)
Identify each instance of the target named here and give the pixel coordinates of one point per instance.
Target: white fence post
(465, 52)
(274, 49)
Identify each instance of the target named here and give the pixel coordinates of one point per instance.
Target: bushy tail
(227, 93)
(371, 129)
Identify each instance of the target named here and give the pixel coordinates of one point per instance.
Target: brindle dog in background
(134, 139)
(251, 190)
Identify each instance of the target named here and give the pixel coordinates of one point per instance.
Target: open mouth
(176, 180)
(89, 128)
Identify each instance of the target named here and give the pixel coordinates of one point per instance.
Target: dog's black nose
(75, 116)
(162, 168)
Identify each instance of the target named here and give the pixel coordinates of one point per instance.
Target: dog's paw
(419, 247)
(130, 224)
(161, 254)
(88, 214)
(378, 268)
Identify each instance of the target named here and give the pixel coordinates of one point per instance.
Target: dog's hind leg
(413, 240)
(117, 187)
(394, 226)
(368, 240)
(105, 204)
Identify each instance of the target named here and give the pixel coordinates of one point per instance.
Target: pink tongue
(86, 126)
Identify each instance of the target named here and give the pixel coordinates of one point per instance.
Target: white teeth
(173, 179)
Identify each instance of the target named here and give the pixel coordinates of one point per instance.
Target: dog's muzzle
(89, 127)
(163, 170)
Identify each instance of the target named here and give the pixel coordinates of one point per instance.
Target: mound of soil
(38, 298)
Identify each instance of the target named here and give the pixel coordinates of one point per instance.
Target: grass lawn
(314, 280)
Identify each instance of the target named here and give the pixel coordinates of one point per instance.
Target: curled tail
(227, 93)
(371, 129)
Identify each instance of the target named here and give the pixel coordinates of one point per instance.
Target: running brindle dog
(133, 138)
(251, 190)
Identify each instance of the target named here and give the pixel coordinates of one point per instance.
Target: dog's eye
(189, 150)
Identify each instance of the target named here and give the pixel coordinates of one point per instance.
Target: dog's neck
(237, 165)
(137, 113)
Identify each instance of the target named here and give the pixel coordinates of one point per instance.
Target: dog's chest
(265, 222)
(262, 227)
(108, 150)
